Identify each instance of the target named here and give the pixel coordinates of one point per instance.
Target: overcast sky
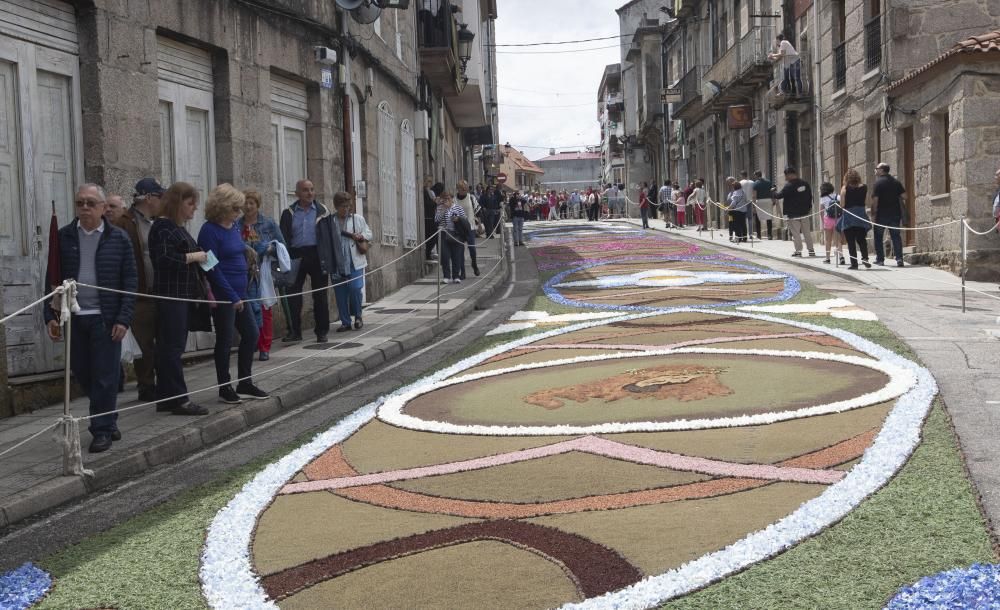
(552, 81)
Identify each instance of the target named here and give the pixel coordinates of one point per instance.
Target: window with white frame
(289, 113)
(387, 179)
(408, 180)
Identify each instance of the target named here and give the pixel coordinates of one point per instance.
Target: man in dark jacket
(298, 226)
(430, 206)
(797, 200)
(95, 253)
(137, 222)
(887, 210)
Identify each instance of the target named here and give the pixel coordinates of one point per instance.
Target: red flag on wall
(54, 277)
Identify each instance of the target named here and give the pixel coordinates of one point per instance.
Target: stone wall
(570, 174)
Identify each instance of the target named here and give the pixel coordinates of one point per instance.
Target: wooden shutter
(49, 23)
(180, 63)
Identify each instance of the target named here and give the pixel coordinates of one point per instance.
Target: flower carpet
(618, 460)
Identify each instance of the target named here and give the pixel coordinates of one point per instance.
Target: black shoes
(475, 268)
(147, 394)
(358, 324)
(321, 338)
(343, 329)
(100, 444)
(189, 408)
(899, 263)
(228, 396)
(292, 338)
(880, 263)
(265, 356)
(246, 389)
(116, 435)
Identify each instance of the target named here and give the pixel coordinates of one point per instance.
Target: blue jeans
(348, 295)
(644, 211)
(226, 319)
(518, 230)
(894, 236)
(452, 256)
(171, 339)
(792, 82)
(95, 361)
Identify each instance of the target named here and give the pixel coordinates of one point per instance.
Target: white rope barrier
(416, 250)
(8, 317)
(30, 438)
(986, 232)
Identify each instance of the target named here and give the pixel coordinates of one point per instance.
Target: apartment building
(232, 91)
(522, 173)
(571, 170)
(610, 115)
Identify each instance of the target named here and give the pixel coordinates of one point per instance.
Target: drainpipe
(349, 178)
(817, 91)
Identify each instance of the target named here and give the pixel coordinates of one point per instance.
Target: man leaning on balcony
(791, 63)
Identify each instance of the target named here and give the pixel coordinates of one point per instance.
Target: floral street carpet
(618, 460)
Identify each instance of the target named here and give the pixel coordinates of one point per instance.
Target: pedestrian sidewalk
(889, 277)
(31, 478)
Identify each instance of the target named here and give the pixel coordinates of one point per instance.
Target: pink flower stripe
(585, 444)
(638, 347)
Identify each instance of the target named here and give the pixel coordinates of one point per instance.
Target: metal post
(749, 232)
(440, 260)
(67, 340)
(965, 253)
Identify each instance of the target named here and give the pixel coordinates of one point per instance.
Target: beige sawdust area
(559, 477)
(774, 383)
(482, 575)
(659, 537)
(378, 447)
(302, 527)
(763, 444)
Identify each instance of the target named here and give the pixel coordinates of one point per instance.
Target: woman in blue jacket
(228, 278)
(259, 232)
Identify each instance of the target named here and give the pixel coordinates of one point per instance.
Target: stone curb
(180, 443)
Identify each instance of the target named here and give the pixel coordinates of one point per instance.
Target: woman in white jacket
(349, 230)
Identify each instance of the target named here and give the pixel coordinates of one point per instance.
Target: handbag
(285, 279)
(462, 228)
(361, 244)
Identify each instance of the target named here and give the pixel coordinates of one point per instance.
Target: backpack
(834, 210)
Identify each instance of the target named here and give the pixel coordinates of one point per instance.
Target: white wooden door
(408, 182)
(289, 113)
(387, 177)
(288, 137)
(357, 162)
(187, 131)
(40, 164)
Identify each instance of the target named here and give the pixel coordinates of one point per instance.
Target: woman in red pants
(260, 232)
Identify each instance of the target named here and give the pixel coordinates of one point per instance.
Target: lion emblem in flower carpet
(680, 382)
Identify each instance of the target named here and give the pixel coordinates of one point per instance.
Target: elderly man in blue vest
(95, 253)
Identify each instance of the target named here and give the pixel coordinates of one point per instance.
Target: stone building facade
(110, 91)
(610, 114)
(522, 173)
(867, 46)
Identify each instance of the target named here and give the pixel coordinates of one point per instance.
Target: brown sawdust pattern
(681, 382)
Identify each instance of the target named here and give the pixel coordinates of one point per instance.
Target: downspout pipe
(817, 92)
(345, 58)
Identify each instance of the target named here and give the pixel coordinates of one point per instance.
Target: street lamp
(465, 38)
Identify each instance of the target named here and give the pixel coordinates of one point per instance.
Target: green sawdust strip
(925, 521)
(662, 536)
(378, 447)
(483, 574)
(775, 384)
(763, 444)
(558, 477)
(302, 527)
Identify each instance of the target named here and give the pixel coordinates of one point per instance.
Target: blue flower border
(975, 587)
(23, 587)
(792, 286)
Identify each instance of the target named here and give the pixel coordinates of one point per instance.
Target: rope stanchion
(965, 251)
(69, 440)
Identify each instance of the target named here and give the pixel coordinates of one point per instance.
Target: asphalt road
(47, 533)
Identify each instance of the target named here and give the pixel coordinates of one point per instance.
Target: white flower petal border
(228, 580)
(900, 380)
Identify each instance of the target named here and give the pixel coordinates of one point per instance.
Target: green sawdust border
(925, 520)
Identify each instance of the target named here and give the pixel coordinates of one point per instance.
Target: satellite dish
(366, 12)
(349, 5)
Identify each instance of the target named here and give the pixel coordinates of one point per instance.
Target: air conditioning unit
(421, 129)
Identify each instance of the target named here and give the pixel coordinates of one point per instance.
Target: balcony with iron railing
(840, 66)
(690, 86)
(741, 70)
(873, 43)
(437, 39)
(795, 91)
